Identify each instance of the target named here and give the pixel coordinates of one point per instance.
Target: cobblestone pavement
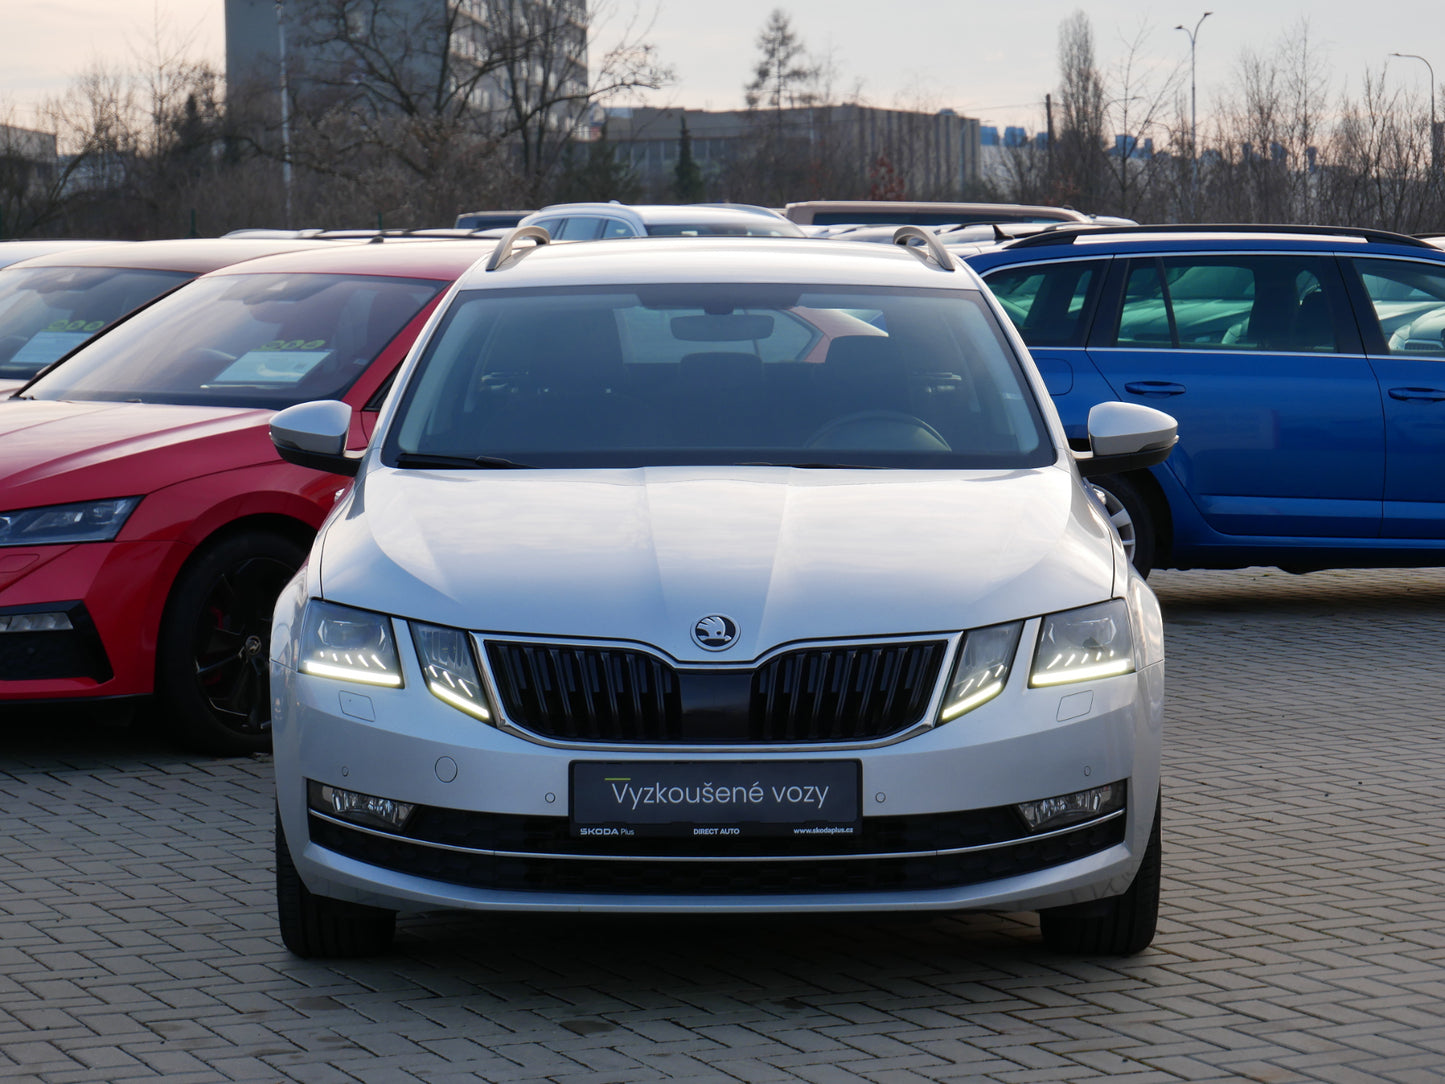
(1302, 938)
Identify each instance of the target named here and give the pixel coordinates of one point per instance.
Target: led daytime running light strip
(1112, 668)
(456, 700)
(973, 700)
(349, 673)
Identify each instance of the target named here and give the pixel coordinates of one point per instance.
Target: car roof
(400, 257)
(195, 254)
(717, 259)
(1076, 241)
(806, 210)
(15, 251)
(644, 213)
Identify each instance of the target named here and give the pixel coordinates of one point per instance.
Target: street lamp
(1193, 119)
(1434, 139)
(285, 109)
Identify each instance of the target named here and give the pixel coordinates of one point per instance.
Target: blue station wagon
(1305, 365)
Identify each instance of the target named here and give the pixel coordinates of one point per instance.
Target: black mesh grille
(838, 694)
(659, 875)
(588, 694)
(579, 693)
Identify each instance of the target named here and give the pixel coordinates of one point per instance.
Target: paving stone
(1302, 935)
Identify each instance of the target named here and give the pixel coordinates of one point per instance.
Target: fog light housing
(42, 622)
(364, 809)
(1066, 809)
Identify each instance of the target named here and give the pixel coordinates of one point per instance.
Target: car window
(244, 340)
(46, 312)
(761, 227)
(1048, 303)
(1408, 298)
(1260, 303)
(615, 227)
(702, 373)
(580, 228)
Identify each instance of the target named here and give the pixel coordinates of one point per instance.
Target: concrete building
(930, 155)
(426, 42)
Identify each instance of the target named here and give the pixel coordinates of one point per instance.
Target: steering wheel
(878, 430)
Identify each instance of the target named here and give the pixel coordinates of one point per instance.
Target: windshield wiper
(458, 462)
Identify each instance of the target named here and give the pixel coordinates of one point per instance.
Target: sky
(993, 60)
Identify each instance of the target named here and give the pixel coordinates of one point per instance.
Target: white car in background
(610, 221)
(633, 607)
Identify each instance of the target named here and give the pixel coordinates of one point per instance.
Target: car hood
(787, 554)
(55, 452)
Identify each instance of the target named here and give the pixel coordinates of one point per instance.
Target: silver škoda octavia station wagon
(718, 575)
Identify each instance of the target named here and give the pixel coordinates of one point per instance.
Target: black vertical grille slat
(815, 694)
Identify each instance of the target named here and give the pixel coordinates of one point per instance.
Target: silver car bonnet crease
(789, 555)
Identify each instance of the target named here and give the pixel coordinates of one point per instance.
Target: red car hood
(56, 452)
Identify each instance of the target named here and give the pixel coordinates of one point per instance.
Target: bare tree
(787, 123)
(1137, 107)
(1080, 165)
(421, 105)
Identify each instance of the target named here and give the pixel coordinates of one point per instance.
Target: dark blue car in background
(1305, 365)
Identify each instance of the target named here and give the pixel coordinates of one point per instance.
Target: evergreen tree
(687, 183)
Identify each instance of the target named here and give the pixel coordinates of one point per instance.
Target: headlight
(451, 671)
(87, 521)
(981, 671)
(349, 645)
(1084, 645)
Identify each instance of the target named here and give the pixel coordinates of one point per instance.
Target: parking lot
(1302, 935)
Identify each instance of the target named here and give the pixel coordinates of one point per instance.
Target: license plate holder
(716, 799)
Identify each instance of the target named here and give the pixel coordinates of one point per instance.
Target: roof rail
(941, 256)
(1067, 233)
(511, 237)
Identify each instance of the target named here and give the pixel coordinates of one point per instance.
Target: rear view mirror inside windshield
(730, 328)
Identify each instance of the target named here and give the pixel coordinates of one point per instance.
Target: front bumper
(492, 829)
(108, 590)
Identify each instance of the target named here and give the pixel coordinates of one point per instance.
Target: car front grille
(587, 693)
(891, 854)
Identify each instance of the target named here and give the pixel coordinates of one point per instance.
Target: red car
(69, 292)
(146, 521)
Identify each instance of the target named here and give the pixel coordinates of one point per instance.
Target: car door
(1401, 307)
(1280, 424)
(1051, 303)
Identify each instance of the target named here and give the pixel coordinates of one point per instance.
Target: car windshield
(244, 340)
(46, 312)
(763, 227)
(813, 376)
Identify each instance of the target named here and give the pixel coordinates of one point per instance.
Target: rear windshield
(763, 227)
(719, 374)
(244, 340)
(927, 218)
(46, 312)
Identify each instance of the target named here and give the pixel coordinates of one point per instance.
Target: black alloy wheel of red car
(213, 656)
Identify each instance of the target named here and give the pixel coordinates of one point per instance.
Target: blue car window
(1261, 303)
(1409, 301)
(1049, 304)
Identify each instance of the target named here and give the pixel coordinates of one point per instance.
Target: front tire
(213, 656)
(1116, 925)
(1128, 510)
(318, 926)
